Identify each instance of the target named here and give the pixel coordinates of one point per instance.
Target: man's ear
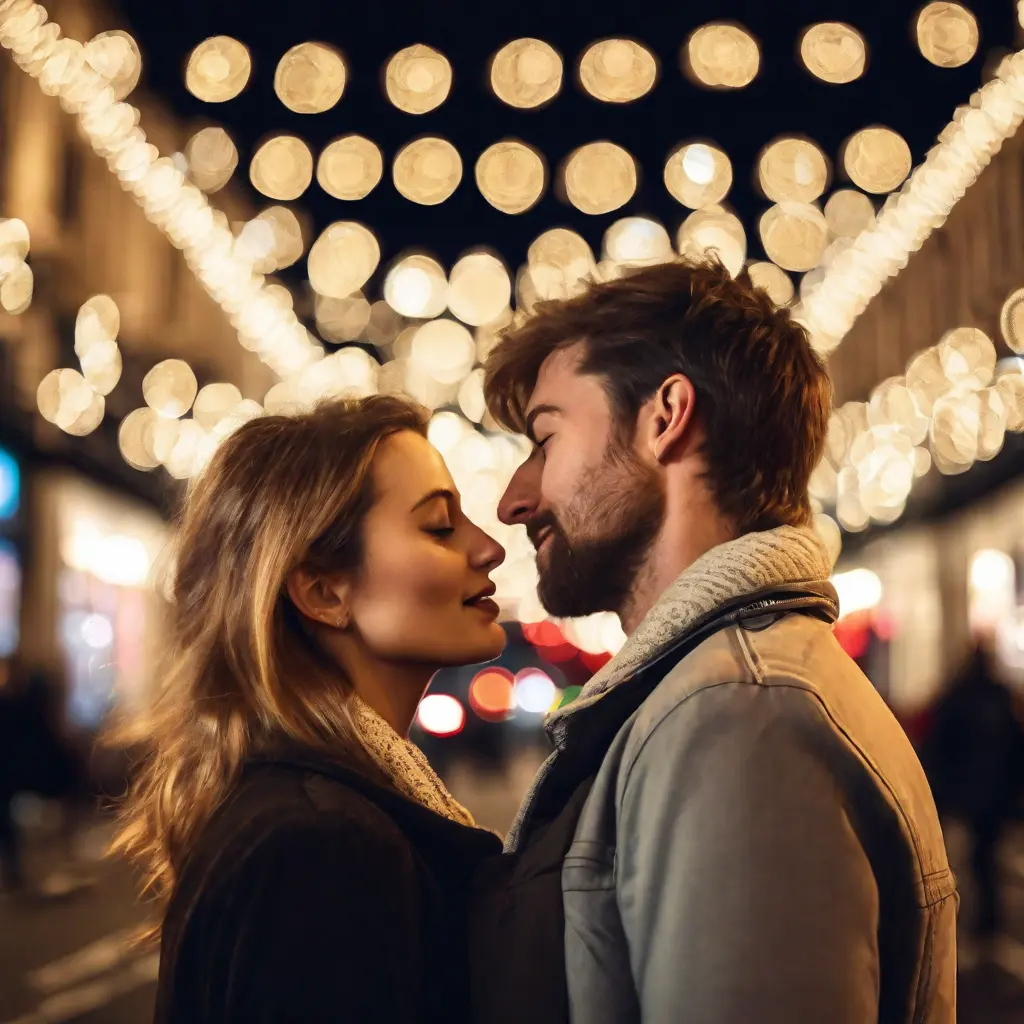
(322, 600)
(669, 418)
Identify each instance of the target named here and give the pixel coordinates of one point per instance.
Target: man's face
(591, 506)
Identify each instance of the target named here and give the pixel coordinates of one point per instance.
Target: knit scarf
(405, 764)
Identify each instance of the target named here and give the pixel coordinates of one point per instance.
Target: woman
(311, 865)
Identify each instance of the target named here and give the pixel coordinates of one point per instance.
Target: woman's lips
(486, 605)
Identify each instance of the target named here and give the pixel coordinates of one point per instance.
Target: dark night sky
(900, 89)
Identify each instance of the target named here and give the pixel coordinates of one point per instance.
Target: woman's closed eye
(441, 531)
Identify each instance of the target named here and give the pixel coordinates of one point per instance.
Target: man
(732, 826)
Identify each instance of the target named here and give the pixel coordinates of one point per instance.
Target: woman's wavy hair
(241, 668)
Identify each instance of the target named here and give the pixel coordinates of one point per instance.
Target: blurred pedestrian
(732, 826)
(308, 863)
(974, 755)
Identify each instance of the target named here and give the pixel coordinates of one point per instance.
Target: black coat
(316, 895)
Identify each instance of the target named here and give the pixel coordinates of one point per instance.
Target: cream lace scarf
(405, 764)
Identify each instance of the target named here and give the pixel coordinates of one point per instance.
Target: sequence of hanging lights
(310, 78)
(16, 279)
(350, 167)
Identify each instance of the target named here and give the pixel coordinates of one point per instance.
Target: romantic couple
(731, 826)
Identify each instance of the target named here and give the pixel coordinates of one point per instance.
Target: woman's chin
(487, 645)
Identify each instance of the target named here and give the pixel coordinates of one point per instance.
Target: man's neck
(679, 544)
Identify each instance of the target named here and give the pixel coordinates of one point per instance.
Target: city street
(71, 957)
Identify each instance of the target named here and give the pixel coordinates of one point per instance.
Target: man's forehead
(559, 371)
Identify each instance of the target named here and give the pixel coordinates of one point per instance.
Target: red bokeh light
(492, 694)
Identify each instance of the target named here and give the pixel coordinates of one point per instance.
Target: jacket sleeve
(744, 892)
(318, 923)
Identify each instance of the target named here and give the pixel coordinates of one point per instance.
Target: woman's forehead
(407, 467)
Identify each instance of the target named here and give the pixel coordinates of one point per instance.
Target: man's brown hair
(762, 394)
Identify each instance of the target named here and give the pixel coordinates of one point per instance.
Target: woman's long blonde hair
(240, 669)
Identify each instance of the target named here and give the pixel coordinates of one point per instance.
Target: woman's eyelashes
(441, 531)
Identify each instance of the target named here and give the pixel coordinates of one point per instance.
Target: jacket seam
(756, 670)
(924, 877)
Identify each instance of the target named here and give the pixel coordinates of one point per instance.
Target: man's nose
(519, 502)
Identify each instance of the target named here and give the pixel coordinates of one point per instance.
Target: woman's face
(422, 594)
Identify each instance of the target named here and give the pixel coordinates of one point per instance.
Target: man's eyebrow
(539, 410)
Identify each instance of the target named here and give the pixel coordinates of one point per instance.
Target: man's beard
(599, 544)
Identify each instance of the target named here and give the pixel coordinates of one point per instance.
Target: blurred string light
(637, 242)
(272, 240)
(698, 174)
(282, 168)
(218, 69)
(212, 158)
(416, 287)
(877, 159)
(479, 288)
(310, 78)
(178, 208)
(96, 328)
(792, 169)
(848, 213)
(618, 70)
(947, 34)
(65, 398)
(350, 167)
(427, 170)
(716, 230)
(16, 279)
(721, 56)
(418, 79)
(774, 280)
(964, 149)
(794, 235)
(526, 73)
(342, 259)
(599, 177)
(170, 388)
(834, 52)
(511, 176)
(341, 319)
(1011, 321)
(116, 56)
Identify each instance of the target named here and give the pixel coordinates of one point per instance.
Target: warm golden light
(714, 230)
(310, 78)
(218, 69)
(98, 322)
(416, 287)
(774, 280)
(427, 170)
(526, 73)
(1011, 322)
(65, 398)
(848, 213)
(511, 176)
(698, 175)
(135, 439)
(170, 388)
(16, 289)
(722, 56)
(560, 247)
(342, 319)
(834, 52)
(600, 177)
(947, 34)
(444, 349)
(418, 79)
(794, 235)
(350, 167)
(213, 403)
(342, 259)
(282, 168)
(101, 366)
(115, 55)
(792, 170)
(637, 241)
(618, 70)
(212, 159)
(877, 159)
(479, 288)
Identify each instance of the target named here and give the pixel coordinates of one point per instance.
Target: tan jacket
(760, 843)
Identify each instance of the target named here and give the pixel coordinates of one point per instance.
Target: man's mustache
(545, 521)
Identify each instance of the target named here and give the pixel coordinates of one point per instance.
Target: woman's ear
(322, 600)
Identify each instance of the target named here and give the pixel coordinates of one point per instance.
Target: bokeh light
(774, 280)
(877, 159)
(848, 213)
(491, 694)
(478, 289)
(794, 235)
(310, 78)
(218, 69)
(618, 70)
(721, 56)
(947, 34)
(212, 158)
(511, 176)
(342, 259)
(282, 168)
(792, 169)
(535, 692)
(444, 349)
(834, 52)
(65, 398)
(213, 403)
(716, 230)
(526, 73)
(418, 79)
(17, 288)
(170, 388)
(1011, 321)
(341, 319)
(350, 167)
(427, 170)
(698, 175)
(600, 177)
(416, 287)
(638, 241)
(441, 715)
(115, 55)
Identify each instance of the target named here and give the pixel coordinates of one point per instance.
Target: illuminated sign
(10, 485)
